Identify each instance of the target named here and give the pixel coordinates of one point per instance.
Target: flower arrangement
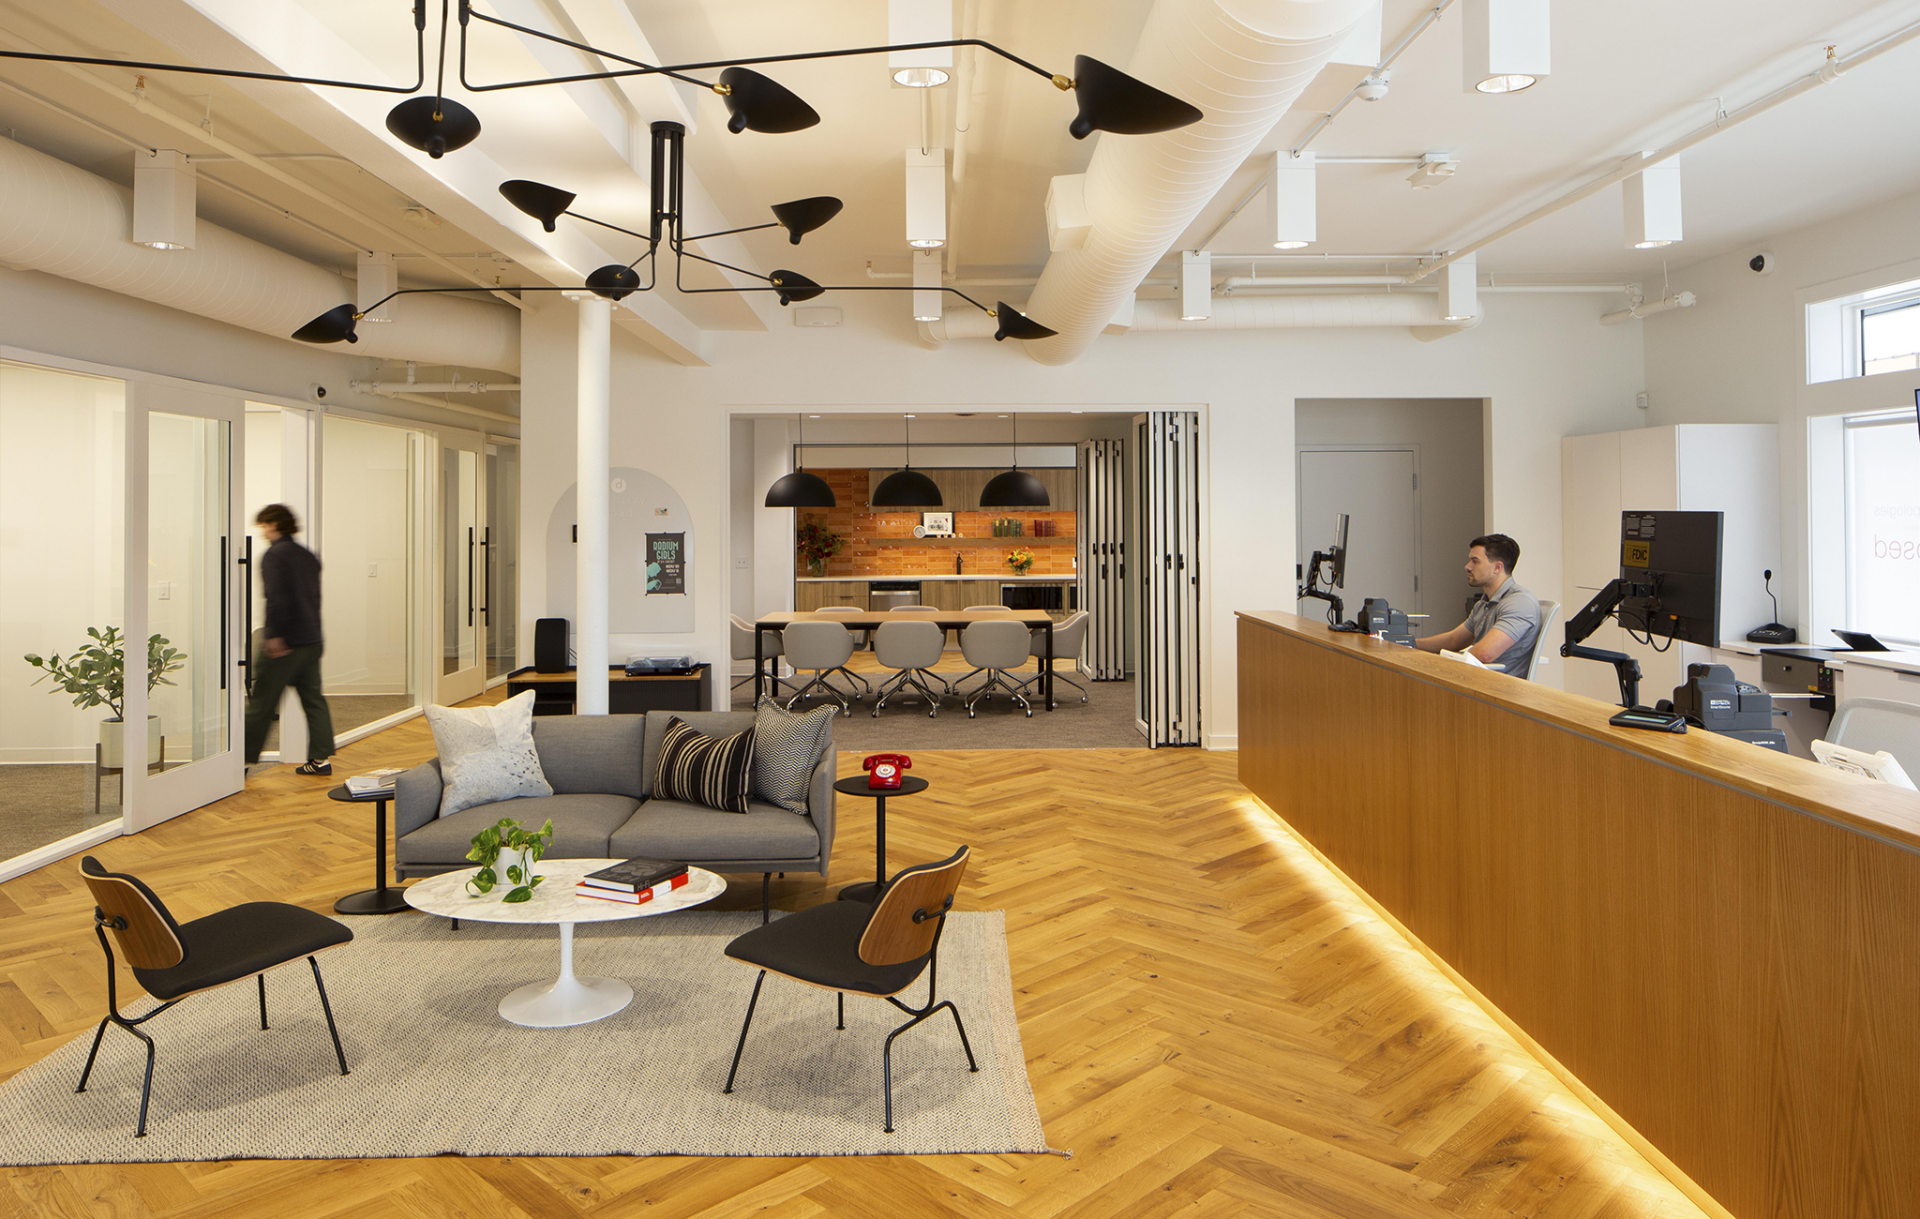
(1020, 559)
(817, 544)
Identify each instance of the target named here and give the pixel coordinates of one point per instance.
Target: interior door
(194, 584)
(460, 532)
(1376, 489)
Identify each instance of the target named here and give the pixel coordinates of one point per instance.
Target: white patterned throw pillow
(486, 753)
(785, 747)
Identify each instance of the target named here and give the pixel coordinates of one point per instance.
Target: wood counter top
(1821, 791)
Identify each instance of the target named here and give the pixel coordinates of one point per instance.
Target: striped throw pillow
(710, 771)
(786, 744)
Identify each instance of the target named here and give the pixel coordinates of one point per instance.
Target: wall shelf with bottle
(1028, 540)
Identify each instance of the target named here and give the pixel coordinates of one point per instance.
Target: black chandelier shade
(801, 490)
(1014, 489)
(760, 103)
(802, 216)
(544, 203)
(613, 281)
(334, 326)
(1110, 100)
(906, 489)
(434, 125)
(1017, 325)
(793, 286)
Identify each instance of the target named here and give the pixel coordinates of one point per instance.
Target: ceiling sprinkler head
(1375, 87)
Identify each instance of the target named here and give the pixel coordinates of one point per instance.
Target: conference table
(1717, 945)
(946, 620)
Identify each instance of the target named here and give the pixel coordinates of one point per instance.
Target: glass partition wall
(501, 557)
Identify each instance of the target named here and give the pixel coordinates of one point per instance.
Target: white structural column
(591, 556)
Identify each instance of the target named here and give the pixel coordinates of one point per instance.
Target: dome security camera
(1374, 87)
(1761, 263)
(316, 392)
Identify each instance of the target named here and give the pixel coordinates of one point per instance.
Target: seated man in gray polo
(1503, 627)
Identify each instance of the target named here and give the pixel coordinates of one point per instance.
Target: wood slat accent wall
(1721, 943)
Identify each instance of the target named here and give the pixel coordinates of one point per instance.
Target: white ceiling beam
(463, 186)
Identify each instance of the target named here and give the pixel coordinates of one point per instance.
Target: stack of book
(633, 881)
(374, 783)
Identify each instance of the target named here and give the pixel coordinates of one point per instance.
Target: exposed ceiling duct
(1419, 311)
(67, 222)
(1243, 62)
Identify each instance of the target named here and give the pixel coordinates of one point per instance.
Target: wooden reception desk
(1719, 942)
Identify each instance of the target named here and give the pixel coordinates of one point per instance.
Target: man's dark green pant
(299, 668)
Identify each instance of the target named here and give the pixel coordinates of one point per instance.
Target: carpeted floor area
(43, 804)
(350, 711)
(1104, 721)
(435, 1070)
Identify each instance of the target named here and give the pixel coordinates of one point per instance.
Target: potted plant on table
(818, 544)
(96, 677)
(1020, 559)
(506, 852)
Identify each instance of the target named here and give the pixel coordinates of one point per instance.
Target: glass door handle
(486, 576)
(226, 605)
(246, 613)
(469, 575)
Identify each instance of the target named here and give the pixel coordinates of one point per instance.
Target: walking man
(291, 644)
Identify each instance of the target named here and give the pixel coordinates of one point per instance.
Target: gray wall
(1446, 435)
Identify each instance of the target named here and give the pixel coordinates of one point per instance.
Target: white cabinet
(1733, 469)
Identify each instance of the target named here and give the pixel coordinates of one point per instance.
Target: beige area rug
(435, 1070)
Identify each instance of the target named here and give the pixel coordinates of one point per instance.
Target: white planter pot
(502, 886)
(112, 749)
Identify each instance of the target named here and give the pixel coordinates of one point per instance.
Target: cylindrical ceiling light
(928, 303)
(907, 488)
(1196, 285)
(1507, 44)
(1652, 199)
(164, 186)
(377, 279)
(926, 198)
(1014, 488)
(911, 21)
(800, 489)
(1292, 206)
(1460, 290)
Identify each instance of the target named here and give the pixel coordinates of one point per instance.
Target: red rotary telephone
(884, 769)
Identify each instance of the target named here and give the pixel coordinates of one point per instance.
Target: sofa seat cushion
(671, 829)
(581, 827)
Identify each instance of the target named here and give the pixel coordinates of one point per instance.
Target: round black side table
(379, 899)
(857, 786)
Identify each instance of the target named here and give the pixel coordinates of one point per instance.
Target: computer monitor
(1338, 556)
(1671, 563)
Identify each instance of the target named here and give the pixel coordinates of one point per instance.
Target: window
(1890, 338)
(1883, 526)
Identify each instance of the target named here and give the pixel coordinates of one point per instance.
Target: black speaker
(550, 645)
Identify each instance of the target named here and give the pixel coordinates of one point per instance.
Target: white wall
(1545, 365)
(1740, 357)
(366, 475)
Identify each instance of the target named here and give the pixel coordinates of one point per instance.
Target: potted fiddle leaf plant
(506, 852)
(96, 677)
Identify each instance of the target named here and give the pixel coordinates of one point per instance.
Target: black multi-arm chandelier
(1109, 100)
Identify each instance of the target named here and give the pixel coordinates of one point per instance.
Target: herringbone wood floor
(1213, 1025)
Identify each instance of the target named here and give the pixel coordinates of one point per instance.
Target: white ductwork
(67, 222)
(1242, 62)
(1419, 311)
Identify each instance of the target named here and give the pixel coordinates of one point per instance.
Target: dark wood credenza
(554, 693)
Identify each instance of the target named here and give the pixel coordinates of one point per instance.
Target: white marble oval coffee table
(567, 1000)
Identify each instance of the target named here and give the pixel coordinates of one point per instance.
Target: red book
(632, 899)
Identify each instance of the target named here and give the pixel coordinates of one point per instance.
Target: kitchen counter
(1069, 578)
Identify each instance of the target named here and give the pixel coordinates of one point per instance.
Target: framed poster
(937, 524)
(666, 564)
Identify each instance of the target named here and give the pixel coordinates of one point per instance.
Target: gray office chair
(1874, 724)
(820, 648)
(1549, 610)
(860, 638)
(929, 609)
(996, 649)
(740, 635)
(1069, 640)
(953, 686)
(912, 648)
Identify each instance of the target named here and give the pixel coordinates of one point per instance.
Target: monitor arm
(1588, 620)
(1312, 587)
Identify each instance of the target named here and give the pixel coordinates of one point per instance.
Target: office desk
(946, 620)
(1719, 942)
(625, 695)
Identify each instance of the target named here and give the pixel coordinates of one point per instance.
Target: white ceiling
(1628, 74)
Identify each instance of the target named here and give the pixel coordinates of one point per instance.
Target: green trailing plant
(96, 675)
(818, 543)
(509, 835)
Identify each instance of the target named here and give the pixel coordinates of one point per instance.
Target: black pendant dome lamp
(801, 489)
(907, 488)
(1014, 488)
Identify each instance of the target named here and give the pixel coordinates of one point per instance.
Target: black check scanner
(1714, 700)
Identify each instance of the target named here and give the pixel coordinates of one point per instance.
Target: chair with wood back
(878, 950)
(173, 960)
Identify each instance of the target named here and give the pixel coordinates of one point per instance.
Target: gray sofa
(601, 770)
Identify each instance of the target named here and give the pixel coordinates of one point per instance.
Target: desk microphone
(1773, 632)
